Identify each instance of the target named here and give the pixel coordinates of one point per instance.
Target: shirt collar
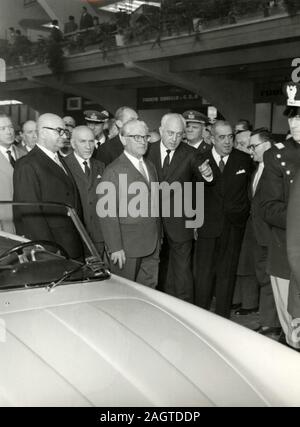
(195, 145)
(81, 160)
(133, 159)
(217, 156)
(48, 152)
(3, 150)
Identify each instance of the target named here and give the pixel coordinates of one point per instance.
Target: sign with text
(167, 97)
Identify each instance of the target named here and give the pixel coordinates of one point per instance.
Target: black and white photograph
(149, 206)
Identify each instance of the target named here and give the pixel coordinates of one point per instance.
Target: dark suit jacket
(138, 237)
(203, 147)
(110, 150)
(281, 164)
(293, 247)
(87, 190)
(226, 200)
(261, 229)
(183, 168)
(86, 21)
(39, 179)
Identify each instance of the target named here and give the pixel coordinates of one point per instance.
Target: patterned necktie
(87, 170)
(142, 169)
(221, 165)
(10, 158)
(166, 164)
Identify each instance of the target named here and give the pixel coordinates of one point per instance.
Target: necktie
(221, 165)
(142, 169)
(87, 170)
(166, 163)
(58, 162)
(10, 158)
(257, 177)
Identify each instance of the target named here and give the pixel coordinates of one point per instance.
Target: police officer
(96, 120)
(195, 125)
(281, 164)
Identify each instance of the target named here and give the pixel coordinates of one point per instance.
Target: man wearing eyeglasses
(132, 240)
(176, 162)
(9, 153)
(226, 209)
(43, 176)
(282, 162)
(254, 281)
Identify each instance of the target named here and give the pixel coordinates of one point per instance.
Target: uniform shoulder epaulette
(279, 145)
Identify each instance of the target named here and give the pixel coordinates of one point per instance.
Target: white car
(91, 339)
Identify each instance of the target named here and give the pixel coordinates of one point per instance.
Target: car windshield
(32, 259)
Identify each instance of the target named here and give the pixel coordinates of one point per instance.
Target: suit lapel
(76, 168)
(133, 169)
(177, 159)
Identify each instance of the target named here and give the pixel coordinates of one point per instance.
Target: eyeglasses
(253, 147)
(139, 138)
(60, 131)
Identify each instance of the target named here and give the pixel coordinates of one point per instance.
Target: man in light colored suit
(87, 173)
(132, 240)
(9, 153)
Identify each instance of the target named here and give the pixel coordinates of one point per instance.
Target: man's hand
(118, 257)
(206, 170)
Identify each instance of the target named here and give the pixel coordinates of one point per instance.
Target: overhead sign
(167, 97)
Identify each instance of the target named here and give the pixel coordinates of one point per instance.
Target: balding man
(42, 176)
(9, 153)
(29, 135)
(226, 209)
(87, 173)
(113, 148)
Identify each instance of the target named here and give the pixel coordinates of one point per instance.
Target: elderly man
(87, 173)
(281, 162)
(29, 135)
(176, 162)
(226, 209)
(42, 176)
(113, 148)
(133, 240)
(9, 153)
(195, 123)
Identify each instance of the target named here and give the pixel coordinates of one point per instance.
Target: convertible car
(71, 334)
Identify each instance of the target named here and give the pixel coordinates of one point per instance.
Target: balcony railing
(174, 18)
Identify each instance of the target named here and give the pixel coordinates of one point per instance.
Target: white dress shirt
(197, 145)
(217, 157)
(3, 150)
(100, 141)
(163, 153)
(136, 163)
(81, 161)
(257, 176)
(52, 156)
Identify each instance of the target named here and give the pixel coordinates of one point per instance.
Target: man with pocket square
(226, 209)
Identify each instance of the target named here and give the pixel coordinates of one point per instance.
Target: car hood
(115, 343)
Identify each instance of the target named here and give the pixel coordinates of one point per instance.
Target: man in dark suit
(86, 19)
(132, 238)
(195, 123)
(281, 162)
(226, 209)
(87, 174)
(260, 142)
(42, 176)
(176, 162)
(113, 148)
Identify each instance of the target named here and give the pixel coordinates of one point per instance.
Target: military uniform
(281, 164)
(97, 117)
(192, 116)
